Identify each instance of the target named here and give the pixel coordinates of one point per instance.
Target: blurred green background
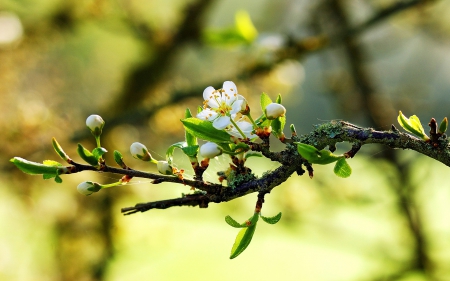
(139, 64)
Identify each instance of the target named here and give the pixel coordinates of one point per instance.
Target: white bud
(164, 168)
(274, 110)
(140, 151)
(210, 150)
(88, 187)
(95, 123)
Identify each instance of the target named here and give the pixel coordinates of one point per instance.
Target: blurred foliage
(139, 64)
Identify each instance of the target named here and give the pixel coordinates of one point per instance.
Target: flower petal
(236, 107)
(208, 96)
(207, 114)
(221, 122)
(231, 92)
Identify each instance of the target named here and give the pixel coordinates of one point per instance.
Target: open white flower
(246, 128)
(223, 105)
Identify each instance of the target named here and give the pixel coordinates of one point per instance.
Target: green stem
(239, 129)
(111, 184)
(253, 121)
(97, 140)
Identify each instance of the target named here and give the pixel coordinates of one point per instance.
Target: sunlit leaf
(34, 168)
(98, 152)
(171, 150)
(272, 220)
(252, 154)
(443, 126)
(190, 139)
(244, 237)
(205, 130)
(265, 100)
(315, 156)
(234, 223)
(412, 125)
(245, 26)
(342, 168)
(87, 156)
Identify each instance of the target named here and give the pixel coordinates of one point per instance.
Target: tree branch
(327, 134)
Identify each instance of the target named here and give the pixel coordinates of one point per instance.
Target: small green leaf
(443, 126)
(52, 163)
(244, 237)
(342, 168)
(59, 150)
(412, 125)
(205, 130)
(98, 152)
(278, 126)
(191, 151)
(190, 139)
(272, 220)
(58, 179)
(171, 150)
(34, 168)
(87, 156)
(118, 158)
(265, 101)
(234, 223)
(278, 100)
(315, 156)
(252, 154)
(245, 26)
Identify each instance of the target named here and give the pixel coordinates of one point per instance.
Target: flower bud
(245, 109)
(210, 150)
(88, 187)
(140, 151)
(95, 123)
(274, 110)
(164, 168)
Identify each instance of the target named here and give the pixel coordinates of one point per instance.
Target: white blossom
(95, 123)
(210, 150)
(274, 110)
(164, 168)
(88, 187)
(140, 151)
(246, 128)
(221, 105)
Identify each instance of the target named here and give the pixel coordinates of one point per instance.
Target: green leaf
(33, 168)
(244, 237)
(278, 100)
(278, 126)
(342, 168)
(59, 150)
(443, 126)
(52, 163)
(315, 156)
(98, 152)
(412, 125)
(205, 130)
(234, 223)
(245, 26)
(58, 179)
(191, 151)
(190, 139)
(87, 156)
(118, 158)
(171, 150)
(272, 220)
(265, 100)
(252, 154)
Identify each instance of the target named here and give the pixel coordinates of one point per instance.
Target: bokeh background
(139, 64)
